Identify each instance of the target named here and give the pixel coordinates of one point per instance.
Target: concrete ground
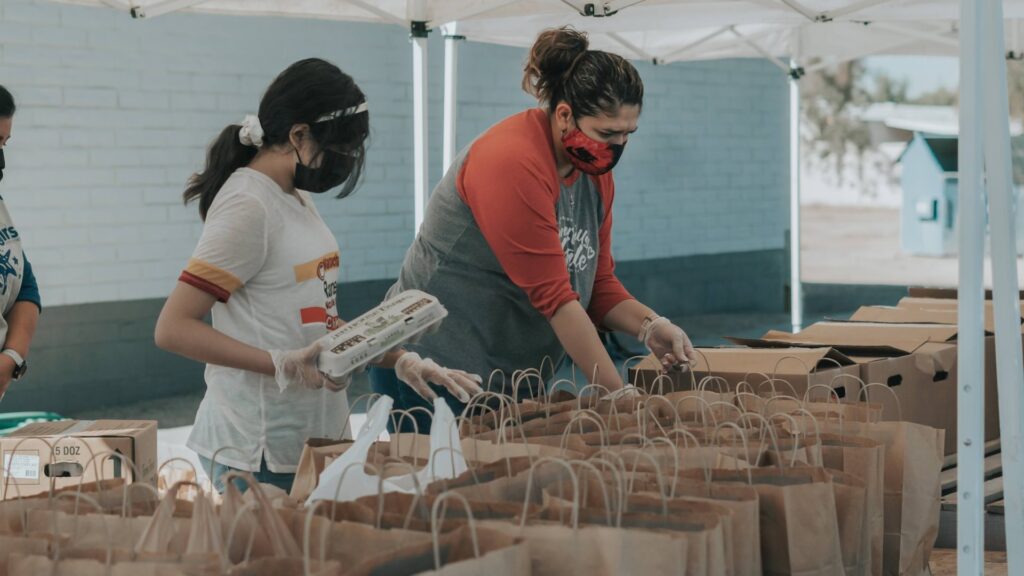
(855, 245)
(943, 563)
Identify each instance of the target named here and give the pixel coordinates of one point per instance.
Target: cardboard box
(944, 293)
(937, 307)
(917, 361)
(801, 367)
(926, 384)
(55, 455)
(860, 338)
(896, 315)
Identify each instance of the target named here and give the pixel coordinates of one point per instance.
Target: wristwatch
(20, 366)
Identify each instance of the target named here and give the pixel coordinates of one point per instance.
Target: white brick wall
(114, 115)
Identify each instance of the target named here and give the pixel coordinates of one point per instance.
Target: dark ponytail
(562, 68)
(225, 155)
(304, 93)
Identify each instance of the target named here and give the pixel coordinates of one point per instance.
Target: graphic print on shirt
(577, 244)
(325, 271)
(7, 268)
(9, 258)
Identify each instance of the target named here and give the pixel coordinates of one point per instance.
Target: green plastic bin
(11, 421)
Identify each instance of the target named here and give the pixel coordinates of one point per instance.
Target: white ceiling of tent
(661, 30)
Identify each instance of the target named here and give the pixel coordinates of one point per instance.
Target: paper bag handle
(704, 410)
(746, 448)
(575, 517)
(435, 529)
(772, 381)
(766, 428)
(124, 460)
(675, 454)
(585, 414)
(368, 399)
(899, 405)
(705, 381)
(637, 454)
(604, 489)
(78, 497)
(213, 463)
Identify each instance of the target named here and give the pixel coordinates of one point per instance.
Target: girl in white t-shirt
(266, 270)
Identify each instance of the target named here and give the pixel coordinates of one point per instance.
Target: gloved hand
(299, 368)
(418, 372)
(668, 343)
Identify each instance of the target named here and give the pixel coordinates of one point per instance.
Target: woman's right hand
(299, 368)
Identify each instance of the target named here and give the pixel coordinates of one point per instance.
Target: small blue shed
(928, 224)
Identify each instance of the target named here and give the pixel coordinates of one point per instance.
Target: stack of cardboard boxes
(911, 349)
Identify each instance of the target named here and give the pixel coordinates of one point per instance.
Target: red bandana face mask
(589, 155)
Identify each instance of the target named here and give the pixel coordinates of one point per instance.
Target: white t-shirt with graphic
(272, 263)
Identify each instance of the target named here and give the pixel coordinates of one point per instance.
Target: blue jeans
(263, 476)
(384, 381)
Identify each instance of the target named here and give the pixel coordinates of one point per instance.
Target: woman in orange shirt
(516, 242)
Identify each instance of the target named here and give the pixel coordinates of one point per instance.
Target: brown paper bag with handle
(344, 541)
(250, 525)
(865, 459)
(740, 499)
(799, 527)
(571, 548)
(17, 545)
(464, 551)
(851, 513)
(913, 490)
(704, 529)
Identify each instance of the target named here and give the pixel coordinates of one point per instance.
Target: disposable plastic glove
(668, 343)
(298, 368)
(418, 373)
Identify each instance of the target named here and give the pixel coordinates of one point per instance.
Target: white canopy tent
(810, 34)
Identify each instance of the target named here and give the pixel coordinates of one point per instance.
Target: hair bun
(552, 56)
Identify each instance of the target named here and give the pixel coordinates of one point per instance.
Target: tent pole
(451, 95)
(970, 513)
(1005, 296)
(421, 169)
(796, 297)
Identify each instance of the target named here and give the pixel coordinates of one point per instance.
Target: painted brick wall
(114, 114)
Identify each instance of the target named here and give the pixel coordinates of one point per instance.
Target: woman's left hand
(419, 372)
(668, 343)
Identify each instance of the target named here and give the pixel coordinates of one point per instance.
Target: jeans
(263, 476)
(384, 381)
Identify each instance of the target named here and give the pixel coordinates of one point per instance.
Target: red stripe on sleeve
(210, 288)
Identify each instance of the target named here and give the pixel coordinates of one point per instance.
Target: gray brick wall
(115, 114)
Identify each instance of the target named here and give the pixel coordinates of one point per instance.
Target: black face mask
(2, 165)
(334, 170)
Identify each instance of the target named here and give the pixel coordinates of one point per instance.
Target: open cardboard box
(944, 293)
(861, 338)
(65, 453)
(916, 361)
(801, 367)
(897, 315)
(942, 309)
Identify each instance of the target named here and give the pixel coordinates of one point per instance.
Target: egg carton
(403, 319)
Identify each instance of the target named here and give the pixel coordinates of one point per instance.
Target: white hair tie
(251, 133)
